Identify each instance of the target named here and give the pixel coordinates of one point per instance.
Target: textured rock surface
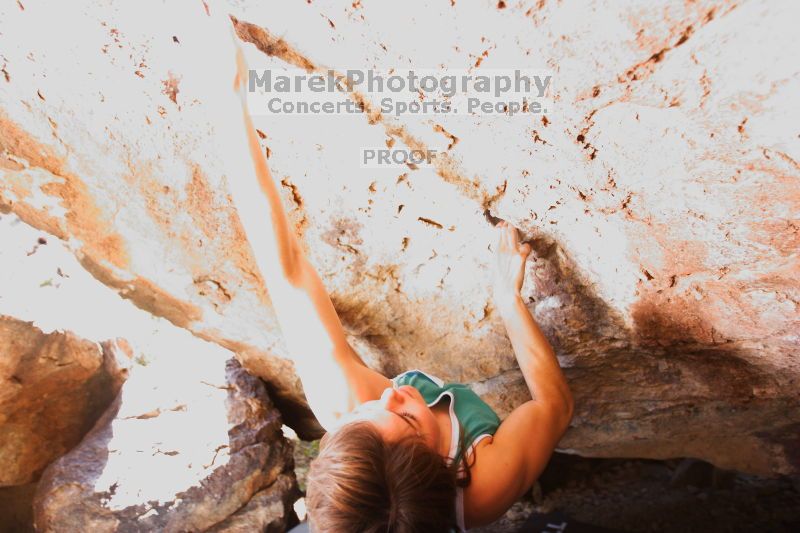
(174, 453)
(134, 176)
(53, 388)
(268, 511)
(660, 194)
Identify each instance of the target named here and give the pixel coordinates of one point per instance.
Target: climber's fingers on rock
(504, 232)
(236, 49)
(513, 236)
(501, 236)
(508, 240)
(509, 237)
(240, 77)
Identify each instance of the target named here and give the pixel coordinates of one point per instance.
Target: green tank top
(475, 419)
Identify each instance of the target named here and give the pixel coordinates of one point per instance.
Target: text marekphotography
(396, 92)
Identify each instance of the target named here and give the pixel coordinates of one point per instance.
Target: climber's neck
(442, 413)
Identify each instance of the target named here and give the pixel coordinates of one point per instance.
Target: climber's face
(400, 412)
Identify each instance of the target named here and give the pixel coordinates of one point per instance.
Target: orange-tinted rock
(660, 192)
(53, 388)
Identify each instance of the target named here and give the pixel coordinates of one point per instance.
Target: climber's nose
(391, 398)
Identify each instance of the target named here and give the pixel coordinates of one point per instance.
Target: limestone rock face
(175, 453)
(53, 388)
(660, 194)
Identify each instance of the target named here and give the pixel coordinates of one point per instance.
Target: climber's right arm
(334, 377)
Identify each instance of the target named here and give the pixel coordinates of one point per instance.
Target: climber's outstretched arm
(334, 377)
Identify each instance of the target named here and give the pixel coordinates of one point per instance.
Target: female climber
(411, 453)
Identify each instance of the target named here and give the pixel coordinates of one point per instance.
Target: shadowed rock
(179, 450)
(269, 511)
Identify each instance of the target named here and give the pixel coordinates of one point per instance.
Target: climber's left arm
(505, 468)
